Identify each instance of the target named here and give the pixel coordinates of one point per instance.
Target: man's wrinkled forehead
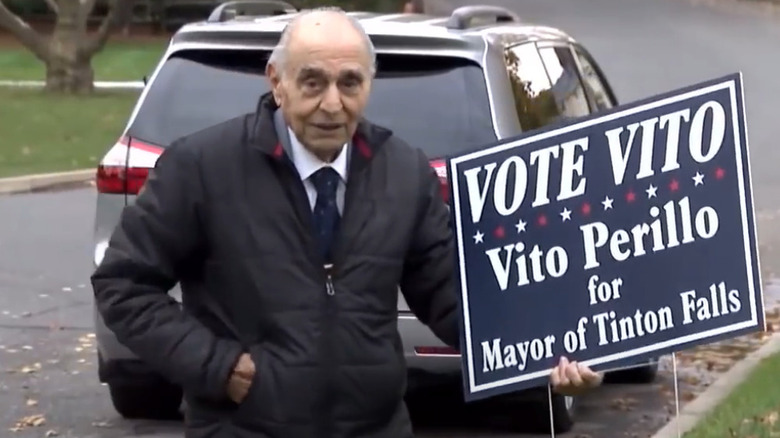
(327, 45)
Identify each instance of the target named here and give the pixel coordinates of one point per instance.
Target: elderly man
(289, 230)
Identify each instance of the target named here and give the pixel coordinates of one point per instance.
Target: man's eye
(350, 83)
(311, 83)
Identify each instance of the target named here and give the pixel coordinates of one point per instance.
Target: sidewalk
(116, 85)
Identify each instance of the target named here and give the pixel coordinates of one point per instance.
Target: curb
(30, 183)
(696, 410)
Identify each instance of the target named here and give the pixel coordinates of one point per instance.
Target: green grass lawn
(751, 411)
(51, 133)
(118, 61)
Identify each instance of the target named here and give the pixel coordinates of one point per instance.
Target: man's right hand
(241, 378)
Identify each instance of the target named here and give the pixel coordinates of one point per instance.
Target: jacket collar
(366, 142)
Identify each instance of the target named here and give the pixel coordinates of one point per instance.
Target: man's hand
(572, 378)
(241, 378)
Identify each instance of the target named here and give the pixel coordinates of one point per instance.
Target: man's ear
(275, 80)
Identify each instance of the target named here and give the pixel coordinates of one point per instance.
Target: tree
(67, 52)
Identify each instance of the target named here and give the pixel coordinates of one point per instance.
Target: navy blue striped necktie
(326, 211)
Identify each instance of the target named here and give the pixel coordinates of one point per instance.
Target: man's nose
(331, 100)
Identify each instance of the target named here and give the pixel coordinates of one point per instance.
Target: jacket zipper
(330, 315)
(329, 289)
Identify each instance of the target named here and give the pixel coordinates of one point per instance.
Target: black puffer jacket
(226, 215)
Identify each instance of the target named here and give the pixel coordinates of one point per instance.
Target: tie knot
(326, 180)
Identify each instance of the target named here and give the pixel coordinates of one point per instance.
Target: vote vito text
(487, 188)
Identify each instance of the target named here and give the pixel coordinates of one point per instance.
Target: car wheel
(564, 409)
(641, 374)
(160, 401)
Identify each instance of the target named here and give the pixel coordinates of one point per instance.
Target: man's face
(325, 84)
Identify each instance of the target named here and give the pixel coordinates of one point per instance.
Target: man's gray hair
(279, 54)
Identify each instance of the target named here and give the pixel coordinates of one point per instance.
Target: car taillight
(440, 166)
(120, 179)
(126, 167)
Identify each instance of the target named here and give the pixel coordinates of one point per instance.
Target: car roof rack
(462, 18)
(232, 9)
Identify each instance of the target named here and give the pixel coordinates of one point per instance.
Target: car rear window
(438, 104)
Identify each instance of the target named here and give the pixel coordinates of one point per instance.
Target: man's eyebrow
(352, 74)
(310, 71)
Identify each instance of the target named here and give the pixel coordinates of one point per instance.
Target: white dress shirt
(307, 163)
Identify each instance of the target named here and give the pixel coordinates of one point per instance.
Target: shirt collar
(307, 163)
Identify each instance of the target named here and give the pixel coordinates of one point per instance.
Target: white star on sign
(478, 237)
(698, 179)
(566, 214)
(651, 191)
(520, 226)
(607, 202)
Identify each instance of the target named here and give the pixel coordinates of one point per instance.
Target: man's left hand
(572, 378)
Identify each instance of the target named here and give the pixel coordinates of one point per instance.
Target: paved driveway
(47, 355)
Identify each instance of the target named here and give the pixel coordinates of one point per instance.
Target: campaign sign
(610, 240)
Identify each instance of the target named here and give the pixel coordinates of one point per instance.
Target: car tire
(643, 374)
(564, 411)
(161, 401)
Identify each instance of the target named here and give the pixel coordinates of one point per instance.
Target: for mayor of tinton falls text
(684, 223)
(712, 301)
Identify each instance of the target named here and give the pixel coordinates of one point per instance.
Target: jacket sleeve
(152, 244)
(428, 281)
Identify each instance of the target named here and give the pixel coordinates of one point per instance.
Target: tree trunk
(66, 75)
(68, 51)
(68, 68)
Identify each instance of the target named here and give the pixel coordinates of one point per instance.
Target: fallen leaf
(30, 369)
(29, 421)
(624, 404)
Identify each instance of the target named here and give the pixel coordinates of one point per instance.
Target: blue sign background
(650, 282)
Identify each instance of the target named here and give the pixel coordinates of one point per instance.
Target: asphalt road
(47, 354)
(47, 359)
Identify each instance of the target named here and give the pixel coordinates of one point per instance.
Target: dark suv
(445, 84)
